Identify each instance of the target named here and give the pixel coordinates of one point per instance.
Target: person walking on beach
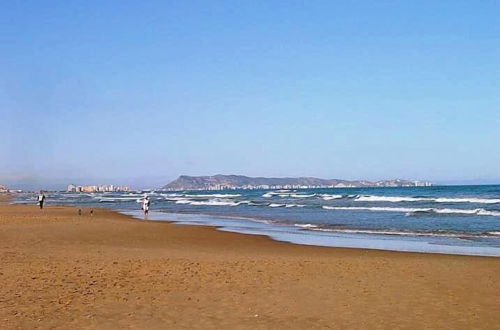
(145, 204)
(41, 199)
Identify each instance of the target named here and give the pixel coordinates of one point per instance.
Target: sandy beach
(64, 271)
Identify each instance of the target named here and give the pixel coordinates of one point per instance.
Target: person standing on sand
(145, 204)
(41, 199)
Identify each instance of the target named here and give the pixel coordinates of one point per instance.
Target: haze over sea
(440, 219)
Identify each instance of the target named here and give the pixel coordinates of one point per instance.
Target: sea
(439, 219)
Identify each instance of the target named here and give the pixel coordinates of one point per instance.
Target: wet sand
(63, 271)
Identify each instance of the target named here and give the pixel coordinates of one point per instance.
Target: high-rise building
(99, 188)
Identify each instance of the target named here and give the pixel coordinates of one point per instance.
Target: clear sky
(139, 92)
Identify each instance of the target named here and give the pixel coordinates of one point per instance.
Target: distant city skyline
(157, 183)
(96, 188)
(139, 93)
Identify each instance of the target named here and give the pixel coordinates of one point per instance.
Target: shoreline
(463, 233)
(112, 271)
(297, 235)
(407, 243)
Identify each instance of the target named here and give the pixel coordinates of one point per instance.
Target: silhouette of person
(41, 199)
(146, 203)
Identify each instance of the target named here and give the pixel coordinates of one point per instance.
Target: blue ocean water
(443, 219)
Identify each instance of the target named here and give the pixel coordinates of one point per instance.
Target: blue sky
(139, 92)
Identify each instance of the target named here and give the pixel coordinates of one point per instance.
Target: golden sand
(63, 271)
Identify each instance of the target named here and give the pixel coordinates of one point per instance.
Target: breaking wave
(210, 202)
(294, 205)
(397, 199)
(388, 199)
(117, 199)
(392, 199)
(307, 225)
(276, 205)
(416, 210)
(328, 197)
(398, 233)
(212, 195)
(286, 194)
(302, 195)
(468, 200)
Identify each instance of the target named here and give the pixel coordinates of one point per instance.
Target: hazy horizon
(34, 184)
(138, 93)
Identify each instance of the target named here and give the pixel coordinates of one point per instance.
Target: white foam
(210, 202)
(276, 205)
(415, 210)
(116, 199)
(456, 211)
(475, 211)
(307, 225)
(397, 199)
(171, 195)
(212, 195)
(376, 209)
(294, 205)
(286, 193)
(214, 203)
(328, 197)
(183, 201)
(468, 200)
(302, 195)
(392, 199)
(391, 232)
(490, 213)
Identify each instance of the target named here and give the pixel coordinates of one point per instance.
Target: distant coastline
(231, 182)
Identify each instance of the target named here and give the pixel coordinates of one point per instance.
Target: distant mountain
(219, 182)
